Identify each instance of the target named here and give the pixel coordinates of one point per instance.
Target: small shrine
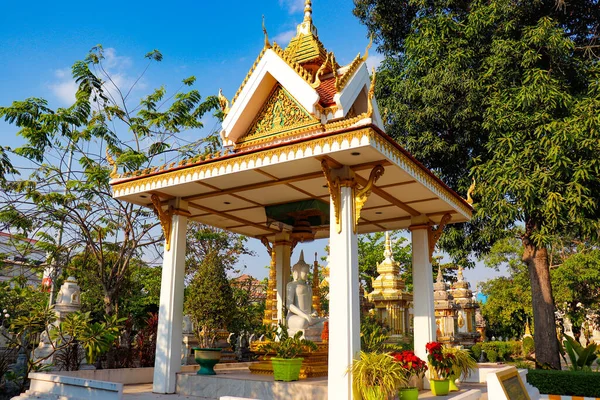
(390, 300)
(466, 308)
(445, 312)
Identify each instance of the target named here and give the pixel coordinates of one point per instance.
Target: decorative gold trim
(114, 172)
(212, 168)
(248, 76)
(470, 192)
(334, 186)
(303, 73)
(267, 44)
(223, 102)
(165, 218)
(368, 48)
(341, 81)
(371, 95)
(316, 289)
(361, 195)
(433, 235)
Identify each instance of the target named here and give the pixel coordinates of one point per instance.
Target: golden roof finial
(267, 43)
(223, 102)
(308, 11)
(470, 192)
(368, 48)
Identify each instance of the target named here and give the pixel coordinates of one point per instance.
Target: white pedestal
(170, 315)
(344, 303)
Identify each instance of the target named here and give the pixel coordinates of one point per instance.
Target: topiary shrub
(569, 383)
(528, 346)
(476, 349)
(492, 355)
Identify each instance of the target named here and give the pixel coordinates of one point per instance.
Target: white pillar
(344, 301)
(423, 306)
(283, 254)
(170, 315)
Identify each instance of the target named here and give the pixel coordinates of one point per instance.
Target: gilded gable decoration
(280, 113)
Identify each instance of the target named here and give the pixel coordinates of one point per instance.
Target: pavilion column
(423, 305)
(170, 315)
(344, 299)
(283, 255)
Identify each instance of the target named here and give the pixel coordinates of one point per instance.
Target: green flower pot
(452, 382)
(286, 369)
(440, 387)
(411, 393)
(207, 359)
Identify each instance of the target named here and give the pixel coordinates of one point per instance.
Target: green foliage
(582, 358)
(209, 300)
(476, 349)
(73, 149)
(568, 383)
(492, 355)
(505, 93)
(372, 335)
(249, 309)
(504, 350)
(576, 284)
(462, 364)
(377, 370)
(528, 346)
(286, 346)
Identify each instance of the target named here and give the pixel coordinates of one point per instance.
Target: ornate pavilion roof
(296, 112)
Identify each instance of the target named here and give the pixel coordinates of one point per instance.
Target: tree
(503, 92)
(75, 152)
(209, 300)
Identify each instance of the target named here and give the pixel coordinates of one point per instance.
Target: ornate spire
(388, 248)
(308, 11)
(267, 43)
(461, 278)
(439, 275)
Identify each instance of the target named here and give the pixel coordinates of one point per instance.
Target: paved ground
(144, 392)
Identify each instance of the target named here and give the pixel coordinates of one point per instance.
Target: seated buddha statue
(301, 316)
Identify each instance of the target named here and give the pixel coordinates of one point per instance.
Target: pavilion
(304, 156)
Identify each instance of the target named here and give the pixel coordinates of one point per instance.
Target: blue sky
(217, 42)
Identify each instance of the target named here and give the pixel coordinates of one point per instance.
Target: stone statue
(301, 316)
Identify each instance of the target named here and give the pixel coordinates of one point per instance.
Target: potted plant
(462, 365)
(377, 376)
(285, 350)
(414, 367)
(440, 368)
(209, 303)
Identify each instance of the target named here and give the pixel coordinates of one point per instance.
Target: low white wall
(125, 376)
(74, 388)
(495, 391)
(480, 374)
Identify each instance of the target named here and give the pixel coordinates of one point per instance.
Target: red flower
(410, 362)
(440, 364)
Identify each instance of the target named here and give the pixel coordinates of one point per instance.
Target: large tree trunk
(546, 342)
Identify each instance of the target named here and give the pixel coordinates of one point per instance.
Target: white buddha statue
(301, 316)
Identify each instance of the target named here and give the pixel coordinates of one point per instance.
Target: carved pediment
(279, 114)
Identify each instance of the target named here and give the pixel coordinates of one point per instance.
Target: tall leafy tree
(505, 92)
(73, 152)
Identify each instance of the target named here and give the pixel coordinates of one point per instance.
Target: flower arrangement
(412, 364)
(441, 364)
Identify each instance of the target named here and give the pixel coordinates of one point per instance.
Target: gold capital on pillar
(333, 184)
(361, 195)
(434, 234)
(165, 218)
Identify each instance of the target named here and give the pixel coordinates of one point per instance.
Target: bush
(492, 355)
(528, 346)
(476, 349)
(570, 383)
(505, 350)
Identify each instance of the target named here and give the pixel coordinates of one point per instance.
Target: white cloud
(117, 67)
(284, 38)
(374, 61)
(293, 6)
(65, 87)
